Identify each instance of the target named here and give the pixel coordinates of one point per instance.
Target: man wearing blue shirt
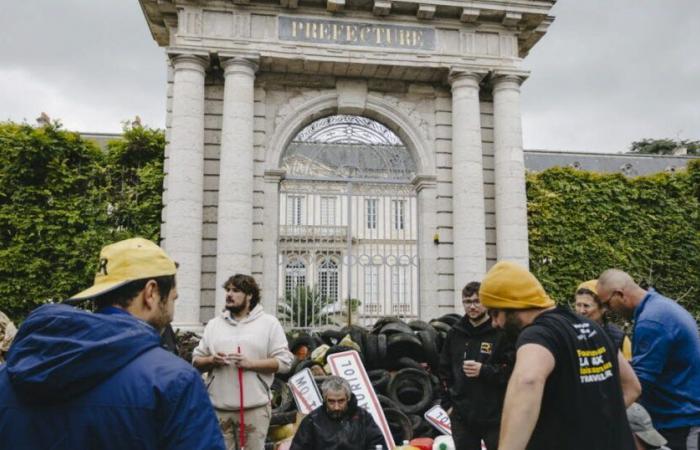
(665, 356)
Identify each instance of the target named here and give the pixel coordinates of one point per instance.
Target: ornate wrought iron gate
(348, 226)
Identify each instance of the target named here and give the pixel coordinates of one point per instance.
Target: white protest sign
(437, 417)
(305, 391)
(348, 365)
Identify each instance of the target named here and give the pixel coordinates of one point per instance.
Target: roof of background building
(630, 164)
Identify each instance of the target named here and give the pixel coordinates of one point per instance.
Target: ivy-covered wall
(582, 223)
(62, 199)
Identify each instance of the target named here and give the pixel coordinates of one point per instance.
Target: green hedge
(582, 223)
(62, 199)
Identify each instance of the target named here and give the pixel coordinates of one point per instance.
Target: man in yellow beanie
(569, 389)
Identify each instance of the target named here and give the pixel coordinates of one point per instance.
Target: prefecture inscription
(356, 33)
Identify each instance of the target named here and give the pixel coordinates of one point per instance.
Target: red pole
(241, 432)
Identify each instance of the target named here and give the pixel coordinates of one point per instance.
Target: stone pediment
(429, 33)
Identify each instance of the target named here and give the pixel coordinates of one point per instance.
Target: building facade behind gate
(365, 153)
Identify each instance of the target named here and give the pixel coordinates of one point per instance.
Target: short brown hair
(471, 288)
(247, 285)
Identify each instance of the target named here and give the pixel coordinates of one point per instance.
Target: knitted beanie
(510, 286)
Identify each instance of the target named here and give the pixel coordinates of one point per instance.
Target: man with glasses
(665, 356)
(570, 385)
(474, 366)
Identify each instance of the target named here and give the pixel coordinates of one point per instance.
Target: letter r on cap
(103, 266)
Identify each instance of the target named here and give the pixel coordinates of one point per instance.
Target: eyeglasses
(471, 302)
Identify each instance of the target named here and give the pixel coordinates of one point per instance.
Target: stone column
(468, 213)
(185, 185)
(511, 199)
(427, 249)
(271, 267)
(234, 236)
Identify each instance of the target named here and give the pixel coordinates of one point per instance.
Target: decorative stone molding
(425, 11)
(335, 5)
(424, 181)
(511, 19)
(469, 15)
(381, 8)
(352, 96)
(238, 64)
(289, 4)
(401, 117)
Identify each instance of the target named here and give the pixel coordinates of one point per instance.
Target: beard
(512, 326)
(162, 318)
(335, 415)
(236, 309)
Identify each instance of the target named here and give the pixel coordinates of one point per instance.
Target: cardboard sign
(305, 391)
(437, 417)
(348, 365)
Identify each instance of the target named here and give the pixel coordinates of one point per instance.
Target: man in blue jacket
(81, 380)
(665, 356)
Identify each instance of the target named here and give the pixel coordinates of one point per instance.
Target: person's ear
(151, 295)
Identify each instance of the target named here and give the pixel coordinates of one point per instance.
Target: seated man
(338, 424)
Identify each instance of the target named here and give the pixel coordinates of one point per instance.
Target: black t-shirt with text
(582, 406)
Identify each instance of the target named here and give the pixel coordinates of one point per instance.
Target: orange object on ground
(423, 443)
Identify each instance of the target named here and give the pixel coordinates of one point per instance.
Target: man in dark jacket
(475, 364)
(81, 380)
(338, 424)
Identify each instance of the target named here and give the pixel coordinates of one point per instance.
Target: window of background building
(371, 213)
(328, 279)
(328, 210)
(294, 209)
(371, 284)
(295, 276)
(398, 213)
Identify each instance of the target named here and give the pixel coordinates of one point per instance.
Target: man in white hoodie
(242, 336)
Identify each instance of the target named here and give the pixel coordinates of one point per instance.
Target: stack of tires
(401, 359)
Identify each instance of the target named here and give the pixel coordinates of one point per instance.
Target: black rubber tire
(357, 334)
(399, 424)
(440, 326)
(331, 337)
(381, 348)
(419, 325)
(415, 422)
(430, 351)
(411, 379)
(283, 418)
(371, 352)
(405, 345)
(407, 363)
(282, 400)
(301, 365)
(339, 349)
(396, 327)
(379, 324)
(380, 380)
(386, 403)
(450, 319)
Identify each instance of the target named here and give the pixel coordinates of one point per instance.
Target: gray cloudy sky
(608, 71)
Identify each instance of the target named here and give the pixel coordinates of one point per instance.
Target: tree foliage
(581, 223)
(62, 199)
(664, 146)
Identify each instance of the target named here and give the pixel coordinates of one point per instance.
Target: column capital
(238, 64)
(274, 175)
(424, 181)
(465, 77)
(510, 79)
(183, 59)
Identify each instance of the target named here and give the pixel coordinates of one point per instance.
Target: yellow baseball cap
(510, 286)
(125, 261)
